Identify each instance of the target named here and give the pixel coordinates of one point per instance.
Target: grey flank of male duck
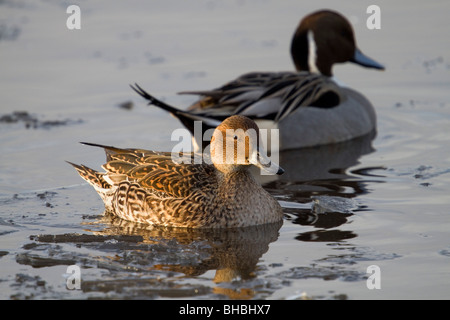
(307, 106)
(169, 189)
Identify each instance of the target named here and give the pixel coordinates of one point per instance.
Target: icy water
(379, 201)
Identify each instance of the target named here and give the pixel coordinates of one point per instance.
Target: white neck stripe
(312, 53)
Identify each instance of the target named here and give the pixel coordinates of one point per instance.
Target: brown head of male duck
(307, 105)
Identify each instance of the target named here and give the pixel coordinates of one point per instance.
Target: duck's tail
(185, 117)
(94, 178)
(153, 101)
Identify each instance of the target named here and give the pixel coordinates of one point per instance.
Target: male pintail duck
(150, 187)
(307, 106)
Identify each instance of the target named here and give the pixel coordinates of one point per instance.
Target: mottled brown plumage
(150, 187)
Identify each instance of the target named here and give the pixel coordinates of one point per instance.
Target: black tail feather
(153, 101)
(185, 117)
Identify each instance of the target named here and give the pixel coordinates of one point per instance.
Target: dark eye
(235, 137)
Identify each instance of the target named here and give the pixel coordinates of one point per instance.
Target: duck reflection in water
(232, 253)
(321, 185)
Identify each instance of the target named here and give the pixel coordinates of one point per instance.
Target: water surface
(380, 200)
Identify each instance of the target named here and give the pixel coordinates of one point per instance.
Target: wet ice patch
(428, 64)
(445, 252)
(422, 173)
(359, 254)
(9, 32)
(31, 121)
(324, 273)
(323, 204)
(7, 227)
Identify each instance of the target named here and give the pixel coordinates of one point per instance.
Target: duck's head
(324, 38)
(235, 145)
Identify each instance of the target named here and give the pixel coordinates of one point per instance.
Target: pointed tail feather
(93, 177)
(185, 117)
(153, 101)
(109, 150)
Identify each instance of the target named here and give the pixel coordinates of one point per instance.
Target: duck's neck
(239, 179)
(305, 53)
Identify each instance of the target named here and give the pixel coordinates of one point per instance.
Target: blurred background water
(380, 200)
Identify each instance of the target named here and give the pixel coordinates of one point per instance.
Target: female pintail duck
(307, 106)
(151, 187)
